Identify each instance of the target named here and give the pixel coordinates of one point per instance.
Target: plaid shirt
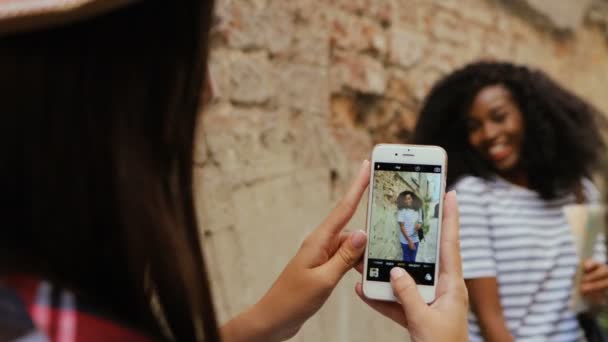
(34, 311)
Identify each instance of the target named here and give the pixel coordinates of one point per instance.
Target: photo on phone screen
(404, 221)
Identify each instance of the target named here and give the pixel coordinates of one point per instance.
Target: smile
(499, 152)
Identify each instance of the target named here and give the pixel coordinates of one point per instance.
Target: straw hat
(29, 15)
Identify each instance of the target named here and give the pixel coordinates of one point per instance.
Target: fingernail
(397, 273)
(364, 164)
(358, 239)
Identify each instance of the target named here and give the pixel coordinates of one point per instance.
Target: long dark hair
(562, 142)
(416, 202)
(96, 162)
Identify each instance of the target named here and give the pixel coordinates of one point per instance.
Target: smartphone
(404, 213)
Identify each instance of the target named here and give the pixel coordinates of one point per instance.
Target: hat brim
(30, 15)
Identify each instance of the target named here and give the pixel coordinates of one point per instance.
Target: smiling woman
(520, 146)
(499, 117)
(495, 126)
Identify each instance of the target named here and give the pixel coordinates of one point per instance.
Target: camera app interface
(404, 221)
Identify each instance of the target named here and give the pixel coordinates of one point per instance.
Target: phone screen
(404, 221)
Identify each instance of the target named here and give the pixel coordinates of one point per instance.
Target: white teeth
(495, 149)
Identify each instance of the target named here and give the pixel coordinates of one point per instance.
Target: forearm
(485, 303)
(266, 321)
(404, 232)
(409, 240)
(243, 327)
(494, 328)
(249, 325)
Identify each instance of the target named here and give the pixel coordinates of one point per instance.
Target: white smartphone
(404, 213)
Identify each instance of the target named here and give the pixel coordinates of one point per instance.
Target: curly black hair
(562, 139)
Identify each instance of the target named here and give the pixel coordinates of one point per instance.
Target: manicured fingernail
(397, 272)
(364, 164)
(358, 239)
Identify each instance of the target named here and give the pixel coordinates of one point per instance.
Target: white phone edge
(433, 155)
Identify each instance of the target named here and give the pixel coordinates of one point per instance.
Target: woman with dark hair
(409, 221)
(100, 240)
(100, 101)
(520, 147)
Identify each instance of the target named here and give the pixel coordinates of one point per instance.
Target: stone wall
(305, 88)
(384, 235)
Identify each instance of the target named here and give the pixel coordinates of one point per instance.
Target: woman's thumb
(406, 291)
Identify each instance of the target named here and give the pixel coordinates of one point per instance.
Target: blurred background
(302, 91)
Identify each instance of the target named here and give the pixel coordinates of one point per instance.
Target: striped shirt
(511, 233)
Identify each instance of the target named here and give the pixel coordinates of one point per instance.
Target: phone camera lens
(395, 153)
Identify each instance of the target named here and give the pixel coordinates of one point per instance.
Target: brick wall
(304, 90)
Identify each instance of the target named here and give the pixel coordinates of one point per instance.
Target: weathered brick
(421, 80)
(241, 138)
(356, 143)
(478, 15)
(304, 11)
(311, 46)
(449, 28)
(503, 24)
(343, 111)
(349, 31)
(280, 28)
(313, 142)
(358, 72)
(259, 167)
(497, 45)
(251, 77)
(562, 14)
(397, 87)
(471, 11)
(380, 10)
(354, 6)
(405, 47)
(219, 69)
(598, 15)
(296, 90)
(256, 25)
(240, 24)
(445, 57)
(413, 14)
(378, 113)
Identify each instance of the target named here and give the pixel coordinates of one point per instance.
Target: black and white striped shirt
(511, 233)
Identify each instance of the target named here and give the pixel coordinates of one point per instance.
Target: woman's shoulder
(591, 191)
(61, 308)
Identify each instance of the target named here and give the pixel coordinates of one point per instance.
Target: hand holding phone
(324, 257)
(446, 318)
(403, 217)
